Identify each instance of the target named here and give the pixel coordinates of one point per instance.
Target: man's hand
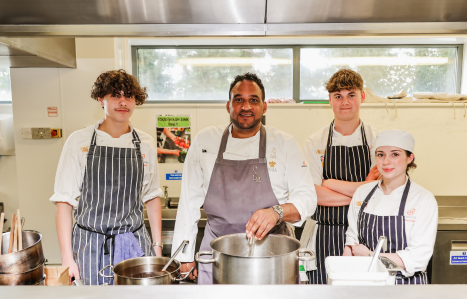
(261, 222)
(186, 267)
(360, 250)
(373, 175)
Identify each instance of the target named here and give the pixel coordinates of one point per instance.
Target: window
(204, 74)
(386, 71)
(5, 89)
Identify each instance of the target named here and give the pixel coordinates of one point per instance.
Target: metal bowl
(24, 260)
(30, 277)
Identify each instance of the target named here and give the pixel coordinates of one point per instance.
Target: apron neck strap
(136, 141)
(331, 132)
(225, 137)
(403, 200)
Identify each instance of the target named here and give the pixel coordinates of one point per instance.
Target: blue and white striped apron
(344, 163)
(371, 227)
(110, 204)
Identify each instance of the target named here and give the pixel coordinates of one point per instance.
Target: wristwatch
(158, 244)
(278, 209)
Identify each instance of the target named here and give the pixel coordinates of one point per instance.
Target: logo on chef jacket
(411, 212)
(272, 166)
(85, 149)
(304, 164)
(322, 160)
(320, 152)
(359, 203)
(273, 154)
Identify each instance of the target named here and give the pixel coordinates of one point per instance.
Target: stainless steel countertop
(237, 291)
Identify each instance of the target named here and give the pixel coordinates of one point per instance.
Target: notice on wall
(173, 138)
(173, 175)
(458, 258)
(52, 111)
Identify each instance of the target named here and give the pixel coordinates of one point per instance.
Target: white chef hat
(398, 138)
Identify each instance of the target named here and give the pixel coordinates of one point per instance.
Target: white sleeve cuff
(189, 254)
(63, 198)
(349, 241)
(154, 193)
(405, 257)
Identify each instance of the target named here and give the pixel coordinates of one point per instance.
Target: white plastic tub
(353, 270)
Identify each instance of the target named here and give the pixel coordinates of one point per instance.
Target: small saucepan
(146, 271)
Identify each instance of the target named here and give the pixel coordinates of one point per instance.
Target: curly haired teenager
(105, 175)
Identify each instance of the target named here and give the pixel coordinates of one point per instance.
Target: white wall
(441, 139)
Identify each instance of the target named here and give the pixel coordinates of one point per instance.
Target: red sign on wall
(52, 111)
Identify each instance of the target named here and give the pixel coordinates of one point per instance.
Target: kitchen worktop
(237, 291)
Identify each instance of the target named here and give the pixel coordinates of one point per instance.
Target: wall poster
(173, 138)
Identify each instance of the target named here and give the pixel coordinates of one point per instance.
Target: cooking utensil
(30, 257)
(132, 271)
(30, 277)
(15, 235)
(182, 246)
(20, 230)
(275, 260)
(2, 217)
(13, 222)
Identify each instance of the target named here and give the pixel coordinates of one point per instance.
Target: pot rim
(146, 257)
(30, 231)
(42, 264)
(256, 257)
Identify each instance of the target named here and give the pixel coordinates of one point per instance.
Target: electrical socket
(26, 133)
(41, 133)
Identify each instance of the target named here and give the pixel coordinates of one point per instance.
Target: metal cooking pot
(22, 261)
(274, 260)
(30, 277)
(146, 271)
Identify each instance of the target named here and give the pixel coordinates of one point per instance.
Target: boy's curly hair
(344, 80)
(116, 81)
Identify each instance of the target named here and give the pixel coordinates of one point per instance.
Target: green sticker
(301, 268)
(173, 121)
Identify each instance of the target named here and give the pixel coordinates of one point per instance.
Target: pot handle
(204, 261)
(102, 270)
(306, 258)
(186, 276)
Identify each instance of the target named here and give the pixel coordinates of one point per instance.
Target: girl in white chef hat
(397, 208)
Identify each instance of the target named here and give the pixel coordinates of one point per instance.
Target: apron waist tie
(107, 236)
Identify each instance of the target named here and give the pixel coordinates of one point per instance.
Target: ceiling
(76, 18)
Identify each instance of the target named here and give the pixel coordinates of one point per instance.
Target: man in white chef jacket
(340, 157)
(248, 178)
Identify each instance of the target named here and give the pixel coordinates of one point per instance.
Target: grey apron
(370, 227)
(236, 190)
(110, 204)
(344, 163)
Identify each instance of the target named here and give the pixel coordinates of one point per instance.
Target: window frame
(295, 61)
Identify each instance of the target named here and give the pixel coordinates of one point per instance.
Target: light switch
(41, 133)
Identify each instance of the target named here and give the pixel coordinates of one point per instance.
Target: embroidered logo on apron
(256, 176)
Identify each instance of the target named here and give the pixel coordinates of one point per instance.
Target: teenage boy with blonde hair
(340, 157)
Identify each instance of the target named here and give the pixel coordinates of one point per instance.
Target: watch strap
(158, 244)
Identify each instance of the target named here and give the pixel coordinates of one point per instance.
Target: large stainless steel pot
(274, 261)
(30, 277)
(146, 271)
(22, 261)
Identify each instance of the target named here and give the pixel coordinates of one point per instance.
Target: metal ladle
(182, 246)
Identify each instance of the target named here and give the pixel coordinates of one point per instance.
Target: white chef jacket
(72, 164)
(421, 220)
(315, 147)
(288, 171)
